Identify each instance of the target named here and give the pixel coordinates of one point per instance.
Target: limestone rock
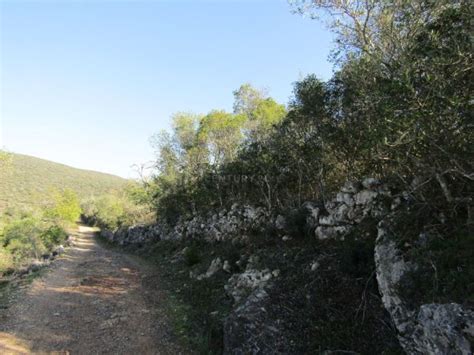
(351, 187)
(365, 197)
(250, 330)
(444, 329)
(280, 222)
(331, 232)
(431, 328)
(215, 266)
(371, 183)
(59, 250)
(241, 285)
(346, 198)
(226, 267)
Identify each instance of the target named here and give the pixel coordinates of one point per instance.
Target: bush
(116, 210)
(52, 236)
(191, 256)
(296, 223)
(22, 239)
(26, 238)
(66, 207)
(6, 261)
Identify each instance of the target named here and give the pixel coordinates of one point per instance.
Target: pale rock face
(356, 214)
(432, 328)
(371, 183)
(280, 222)
(59, 249)
(314, 266)
(313, 214)
(390, 268)
(346, 198)
(216, 265)
(351, 187)
(341, 213)
(241, 285)
(331, 232)
(249, 329)
(328, 220)
(365, 197)
(226, 267)
(444, 329)
(351, 205)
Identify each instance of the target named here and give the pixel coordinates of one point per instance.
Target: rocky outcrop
(430, 328)
(215, 266)
(354, 203)
(444, 329)
(249, 329)
(241, 285)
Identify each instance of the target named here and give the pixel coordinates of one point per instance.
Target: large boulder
(250, 330)
(428, 329)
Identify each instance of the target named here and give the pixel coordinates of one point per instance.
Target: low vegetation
(41, 200)
(126, 207)
(27, 182)
(25, 237)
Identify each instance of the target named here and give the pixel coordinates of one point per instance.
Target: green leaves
(66, 207)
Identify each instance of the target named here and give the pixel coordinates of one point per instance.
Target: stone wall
(429, 329)
(236, 223)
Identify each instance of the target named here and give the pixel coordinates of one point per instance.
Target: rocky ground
(91, 300)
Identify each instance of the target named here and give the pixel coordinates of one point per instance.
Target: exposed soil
(91, 300)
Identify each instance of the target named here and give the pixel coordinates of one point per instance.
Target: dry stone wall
(429, 329)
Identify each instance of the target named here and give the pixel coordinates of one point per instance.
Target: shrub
(115, 210)
(52, 236)
(66, 207)
(296, 223)
(22, 239)
(191, 256)
(6, 261)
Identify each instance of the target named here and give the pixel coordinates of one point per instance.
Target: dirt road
(91, 301)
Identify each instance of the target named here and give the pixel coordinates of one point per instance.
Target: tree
(261, 111)
(221, 133)
(380, 29)
(401, 96)
(246, 99)
(66, 207)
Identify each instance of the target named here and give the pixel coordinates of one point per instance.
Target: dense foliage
(398, 107)
(122, 208)
(28, 236)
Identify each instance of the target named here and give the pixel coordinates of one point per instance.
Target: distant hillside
(29, 181)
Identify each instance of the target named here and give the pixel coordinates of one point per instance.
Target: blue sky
(86, 83)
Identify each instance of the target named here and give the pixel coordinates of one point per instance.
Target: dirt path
(91, 301)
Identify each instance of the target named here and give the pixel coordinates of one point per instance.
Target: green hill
(29, 182)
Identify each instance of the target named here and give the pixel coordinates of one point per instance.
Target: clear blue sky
(86, 83)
